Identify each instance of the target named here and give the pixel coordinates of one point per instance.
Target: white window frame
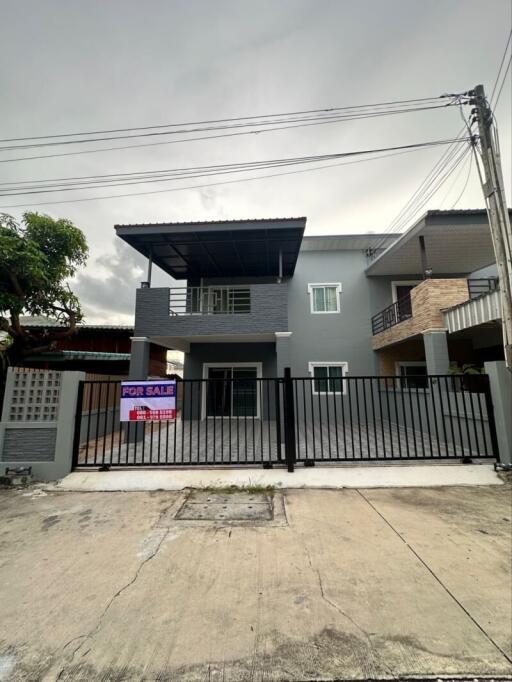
(409, 363)
(402, 283)
(343, 365)
(231, 365)
(315, 285)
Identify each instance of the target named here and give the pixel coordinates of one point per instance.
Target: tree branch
(16, 285)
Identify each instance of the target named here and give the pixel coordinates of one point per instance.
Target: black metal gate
(289, 420)
(389, 418)
(220, 421)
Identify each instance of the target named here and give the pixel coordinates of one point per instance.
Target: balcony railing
(402, 309)
(480, 287)
(212, 300)
(394, 314)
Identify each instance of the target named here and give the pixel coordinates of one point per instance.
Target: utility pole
(497, 211)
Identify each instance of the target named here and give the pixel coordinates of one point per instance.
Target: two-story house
(259, 297)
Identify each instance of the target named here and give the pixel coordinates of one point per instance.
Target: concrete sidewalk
(359, 475)
(340, 584)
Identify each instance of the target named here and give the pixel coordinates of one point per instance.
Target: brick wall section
(157, 361)
(428, 299)
(269, 313)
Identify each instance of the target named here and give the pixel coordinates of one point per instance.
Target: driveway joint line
(432, 573)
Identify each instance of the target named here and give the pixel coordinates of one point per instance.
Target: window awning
(232, 248)
(456, 242)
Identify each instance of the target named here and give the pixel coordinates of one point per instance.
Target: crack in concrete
(433, 574)
(117, 594)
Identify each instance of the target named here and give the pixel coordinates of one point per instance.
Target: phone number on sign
(151, 415)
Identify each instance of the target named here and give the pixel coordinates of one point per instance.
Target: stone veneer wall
(427, 299)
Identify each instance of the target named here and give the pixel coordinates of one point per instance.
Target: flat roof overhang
(227, 248)
(182, 343)
(456, 242)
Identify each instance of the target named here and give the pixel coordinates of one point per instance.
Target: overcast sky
(79, 65)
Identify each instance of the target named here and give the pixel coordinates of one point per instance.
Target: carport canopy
(232, 248)
(456, 242)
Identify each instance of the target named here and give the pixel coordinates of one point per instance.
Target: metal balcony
(394, 314)
(482, 286)
(211, 300)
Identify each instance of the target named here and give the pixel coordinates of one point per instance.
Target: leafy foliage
(36, 259)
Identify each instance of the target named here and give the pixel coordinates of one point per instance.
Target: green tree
(37, 258)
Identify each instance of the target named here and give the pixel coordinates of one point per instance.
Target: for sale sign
(148, 401)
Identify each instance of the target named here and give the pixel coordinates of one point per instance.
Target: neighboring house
(448, 319)
(260, 296)
(98, 349)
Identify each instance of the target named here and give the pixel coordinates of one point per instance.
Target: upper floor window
(324, 297)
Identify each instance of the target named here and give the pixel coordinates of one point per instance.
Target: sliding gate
(245, 420)
(384, 418)
(220, 420)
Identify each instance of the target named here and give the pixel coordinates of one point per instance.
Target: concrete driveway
(338, 584)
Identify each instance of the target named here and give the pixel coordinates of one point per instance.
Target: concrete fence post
(500, 380)
(38, 421)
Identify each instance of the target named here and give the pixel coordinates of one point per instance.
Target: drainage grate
(204, 506)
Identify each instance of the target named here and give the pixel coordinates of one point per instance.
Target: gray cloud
(73, 65)
(110, 297)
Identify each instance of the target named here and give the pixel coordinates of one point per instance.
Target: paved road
(347, 583)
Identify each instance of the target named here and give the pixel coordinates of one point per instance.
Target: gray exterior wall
(268, 314)
(229, 353)
(381, 295)
(340, 337)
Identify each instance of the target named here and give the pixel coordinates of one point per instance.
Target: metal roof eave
(457, 242)
(404, 237)
(220, 248)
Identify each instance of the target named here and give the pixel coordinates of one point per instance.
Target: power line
(411, 208)
(436, 177)
(196, 171)
(227, 120)
(503, 81)
(324, 117)
(465, 184)
(321, 121)
(405, 211)
(431, 189)
(214, 184)
(452, 184)
(207, 170)
(501, 66)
